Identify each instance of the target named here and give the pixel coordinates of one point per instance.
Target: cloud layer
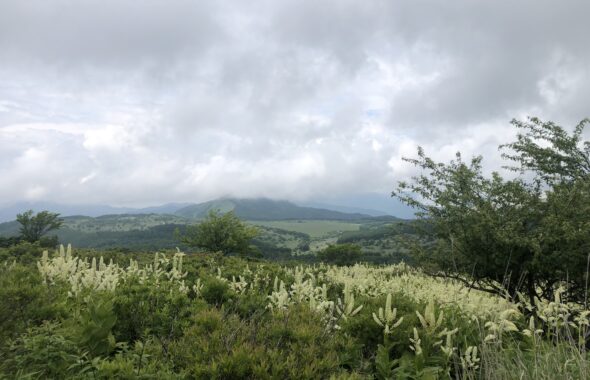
(135, 103)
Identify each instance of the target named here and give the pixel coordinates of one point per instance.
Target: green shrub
(250, 304)
(341, 254)
(146, 308)
(93, 329)
(216, 292)
(25, 301)
(41, 353)
(292, 345)
(24, 252)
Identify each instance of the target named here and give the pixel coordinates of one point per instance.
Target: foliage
(212, 316)
(24, 301)
(224, 233)
(311, 228)
(23, 252)
(549, 151)
(7, 242)
(93, 330)
(508, 235)
(33, 227)
(42, 352)
(341, 254)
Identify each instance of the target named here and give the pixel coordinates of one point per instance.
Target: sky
(135, 103)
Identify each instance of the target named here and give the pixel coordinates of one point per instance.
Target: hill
(8, 212)
(251, 209)
(266, 209)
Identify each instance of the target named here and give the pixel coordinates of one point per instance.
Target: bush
(341, 254)
(224, 233)
(144, 308)
(25, 301)
(216, 292)
(41, 353)
(289, 346)
(23, 252)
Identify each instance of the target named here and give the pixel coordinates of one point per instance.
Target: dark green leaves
(224, 233)
(33, 227)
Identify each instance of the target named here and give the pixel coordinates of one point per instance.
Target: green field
(314, 228)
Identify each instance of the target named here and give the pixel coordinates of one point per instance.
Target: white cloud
(129, 104)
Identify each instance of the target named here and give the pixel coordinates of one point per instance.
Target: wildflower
(429, 320)
(416, 347)
(386, 318)
(469, 359)
(347, 308)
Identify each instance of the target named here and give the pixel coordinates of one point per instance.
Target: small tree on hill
(341, 254)
(224, 233)
(34, 227)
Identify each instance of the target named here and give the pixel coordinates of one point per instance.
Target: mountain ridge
(245, 208)
(266, 209)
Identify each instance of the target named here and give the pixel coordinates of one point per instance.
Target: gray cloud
(133, 103)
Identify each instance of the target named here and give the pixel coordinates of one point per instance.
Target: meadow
(98, 315)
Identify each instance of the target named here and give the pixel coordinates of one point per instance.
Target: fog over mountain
(139, 103)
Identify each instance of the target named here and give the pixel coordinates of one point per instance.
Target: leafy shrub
(25, 301)
(147, 308)
(41, 353)
(23, 252)
(250, 304)
(292, 345)
(93, 330)
(341, 254)
(216, 292)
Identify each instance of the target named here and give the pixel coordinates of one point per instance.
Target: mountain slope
(8, 212)
(105, 223)
(265, 209)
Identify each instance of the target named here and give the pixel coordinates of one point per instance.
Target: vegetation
(341, 254)
(216, 317)
(265, 210)
(513, 236)
(224, 233)
(34, 227)
(501, 290)
(313, 228)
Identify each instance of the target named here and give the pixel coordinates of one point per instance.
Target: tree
(33, 227)
(341, 254)
(508, 236)
(219, 232)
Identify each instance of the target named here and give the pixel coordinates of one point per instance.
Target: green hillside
(285, 228)
(313, 228)
(105, 223)
(265, 209)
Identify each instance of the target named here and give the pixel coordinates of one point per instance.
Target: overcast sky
(144, 102)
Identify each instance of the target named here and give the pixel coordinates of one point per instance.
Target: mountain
(104, 223)
(168, 208)
(266, 209)
(8, 212)
(380, 201)
(345, 209)
(249, 209)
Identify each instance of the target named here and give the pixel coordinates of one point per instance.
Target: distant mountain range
(250, 209)
(266, 209)
(8, 213)
(154, 227)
